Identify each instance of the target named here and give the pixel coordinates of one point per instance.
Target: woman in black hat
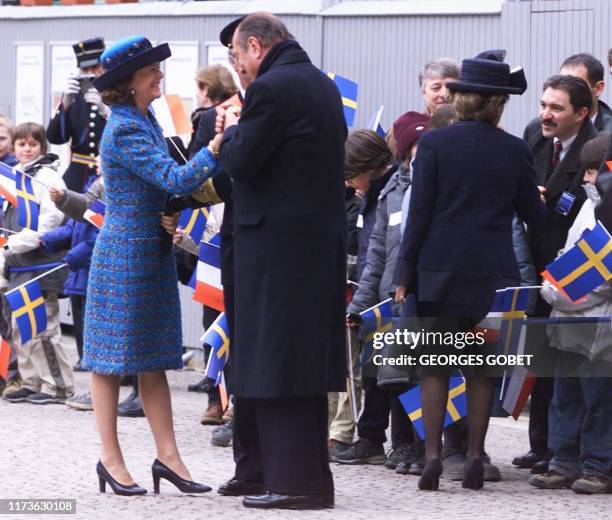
(132, 319)
(469, 180)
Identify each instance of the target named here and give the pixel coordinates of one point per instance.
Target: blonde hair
(471, 106)
(5, 122)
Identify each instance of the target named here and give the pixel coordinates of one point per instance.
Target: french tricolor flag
(8, 183)
(95, 213)
(208, 288)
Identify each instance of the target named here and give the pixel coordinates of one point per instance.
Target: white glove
(93, 97)
(71, 90)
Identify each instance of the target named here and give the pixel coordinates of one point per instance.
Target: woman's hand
(400, 294)
(177, 238)
(56, 194)
(220, 122)
(216, 141)
(231, 117)
(170, 222)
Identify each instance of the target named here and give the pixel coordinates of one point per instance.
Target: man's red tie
(556, 156)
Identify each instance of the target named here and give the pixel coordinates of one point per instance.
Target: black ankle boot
(473, 474)
(430, 477)
(160, 470)
(104, 477)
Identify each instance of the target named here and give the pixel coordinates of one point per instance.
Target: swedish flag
(193, 221)
(348, 90)
(27, 205)
(29, 310)
(456, 406)
(217, 336)
(375, 319)
(516, 302)
(583, 267)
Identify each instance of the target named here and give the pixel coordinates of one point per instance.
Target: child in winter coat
(580, 437)
(42, 362)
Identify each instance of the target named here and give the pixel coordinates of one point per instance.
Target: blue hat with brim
(490, 76)
(125, 57)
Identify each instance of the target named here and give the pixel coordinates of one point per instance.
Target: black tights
(434, 395)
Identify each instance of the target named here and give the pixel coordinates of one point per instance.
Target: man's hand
(231, 117)
(220, 122)
(57, 195)
(71, 90)
(170, 222)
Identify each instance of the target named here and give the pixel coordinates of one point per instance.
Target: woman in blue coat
(132, 321)
(469, 180)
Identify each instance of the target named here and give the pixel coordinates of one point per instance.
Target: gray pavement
(51, 451)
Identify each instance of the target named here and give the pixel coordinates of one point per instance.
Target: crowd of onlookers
(570, 431)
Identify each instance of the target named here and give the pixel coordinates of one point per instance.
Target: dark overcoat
(286, 158)
(546, 241)
(82, 125)
(469, 180)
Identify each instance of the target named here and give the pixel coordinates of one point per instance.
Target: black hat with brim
(489, 77)
(125, 57)
(227, 33)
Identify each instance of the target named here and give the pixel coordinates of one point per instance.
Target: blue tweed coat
(132, 317)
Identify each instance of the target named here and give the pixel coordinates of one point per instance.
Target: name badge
(566, 201)
(360, 221)
(395, 218)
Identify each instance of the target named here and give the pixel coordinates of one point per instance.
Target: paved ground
(51, 452)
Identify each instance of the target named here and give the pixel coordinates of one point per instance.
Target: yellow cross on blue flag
(193, 222)
(378, 318)
(583, 267)
(217, 336)
(456, 406)
(29, 310)
(348, 91)
(516, 302)
(27, 205)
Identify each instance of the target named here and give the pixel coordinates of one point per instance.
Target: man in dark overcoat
(81, 116)
(285, 156)
(555, 140)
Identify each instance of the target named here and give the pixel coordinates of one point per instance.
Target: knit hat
(407, 130)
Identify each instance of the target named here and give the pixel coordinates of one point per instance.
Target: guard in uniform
(81, 115)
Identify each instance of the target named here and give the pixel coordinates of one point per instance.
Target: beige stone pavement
(51, 451)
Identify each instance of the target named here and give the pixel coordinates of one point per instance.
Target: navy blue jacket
(81, 236)
(469, 180)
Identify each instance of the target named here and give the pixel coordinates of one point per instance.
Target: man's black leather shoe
(527, 460)
(130, 407)
(237, 487)
(274, 500)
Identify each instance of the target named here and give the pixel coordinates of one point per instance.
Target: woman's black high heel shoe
(118, 488)
(160, 470)
(430, 477)
(473, 474)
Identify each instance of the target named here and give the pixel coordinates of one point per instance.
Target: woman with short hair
(469, 180)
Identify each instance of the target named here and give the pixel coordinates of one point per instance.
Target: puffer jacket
(377, 278)
(592, 340)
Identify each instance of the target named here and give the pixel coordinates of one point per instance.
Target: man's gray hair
(266, 27)
(440, 68)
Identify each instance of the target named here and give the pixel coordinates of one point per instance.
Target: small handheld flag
(95, 213)
(208, 288)
(583, 267)
(29, 310)
(193, 222)
(5, 357)
(456, 406)
(27, 205)
(171, 116)
(217, 336)
(348, 91)
(8, 183)
(378, 318)
(375, 122)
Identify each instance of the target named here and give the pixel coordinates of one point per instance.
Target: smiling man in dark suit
(555, 140)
